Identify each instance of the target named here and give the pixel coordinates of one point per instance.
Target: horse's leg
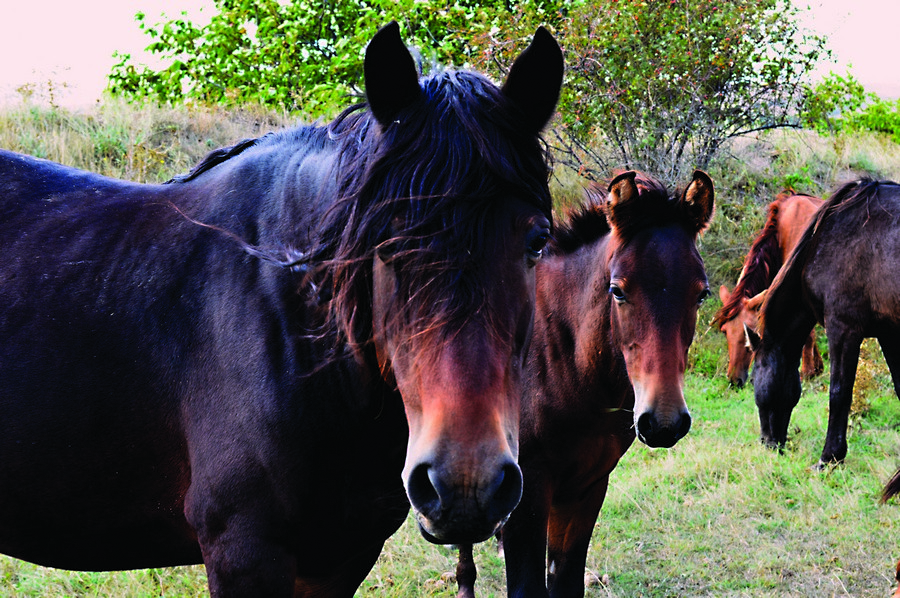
(346, 581)
(240, 562)
(812, 359)
(568, 539)
(525, 541)
(890, 348)
(466, 572)
(843, 344)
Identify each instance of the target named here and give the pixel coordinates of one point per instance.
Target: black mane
(410, 188)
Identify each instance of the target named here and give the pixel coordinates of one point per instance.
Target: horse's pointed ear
(392, 81)
(753, 339)
(724, 294)
(698, 201)
(622, 200)
(755, 302)
(535, 79)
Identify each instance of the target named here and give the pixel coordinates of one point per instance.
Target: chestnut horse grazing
(842, 274)
(617, 302)
(244, 367)
(787, 218)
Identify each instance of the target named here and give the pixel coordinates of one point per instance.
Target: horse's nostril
(644, 425)
(507, 492)
(653, 434)
(685, 426)
(423, 495)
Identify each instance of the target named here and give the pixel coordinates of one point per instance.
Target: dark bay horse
(246, 366)
(843, 275)
(786, 220)
(617, 300)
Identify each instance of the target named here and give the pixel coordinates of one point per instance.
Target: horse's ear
(698, 202)
(755, 302)
(622, 200)
(753, 339)
(392, 81)
(724, 294)
(535, 79)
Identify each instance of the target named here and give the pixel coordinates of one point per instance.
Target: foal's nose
(663, 433)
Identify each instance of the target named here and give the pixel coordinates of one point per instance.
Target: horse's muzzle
(450, 512)
(658, 433)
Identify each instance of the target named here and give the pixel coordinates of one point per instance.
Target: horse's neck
(574, 315)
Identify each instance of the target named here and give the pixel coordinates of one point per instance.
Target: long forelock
(429, 189)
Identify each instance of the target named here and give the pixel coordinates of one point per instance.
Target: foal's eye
(535, 247)
(617, 293)
(704, 295)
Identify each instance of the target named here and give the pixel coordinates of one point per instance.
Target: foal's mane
(588, 223)
(761, 264)
(787, 283)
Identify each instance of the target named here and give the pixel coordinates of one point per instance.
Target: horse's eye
(704, 295)
(617, 293)
(536, 244)
(386, 250)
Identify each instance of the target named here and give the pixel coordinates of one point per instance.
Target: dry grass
(148, 144)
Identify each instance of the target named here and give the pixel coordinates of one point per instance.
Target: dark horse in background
(617, 301)
(786, 220)
(845, 275)
(212, 370)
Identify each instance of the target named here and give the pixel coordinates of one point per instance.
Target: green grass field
(718, 515)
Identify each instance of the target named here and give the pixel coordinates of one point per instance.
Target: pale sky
(73, 42)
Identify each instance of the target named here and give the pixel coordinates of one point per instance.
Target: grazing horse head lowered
(786, 220)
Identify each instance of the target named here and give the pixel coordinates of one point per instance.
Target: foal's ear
(392, 81)
(535, 79)
(622, 201)
(698, 202)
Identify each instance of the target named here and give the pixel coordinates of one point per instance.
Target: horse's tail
(892, 488)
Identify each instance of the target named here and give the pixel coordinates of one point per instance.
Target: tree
(303, 55)
(841, 104)
(662, 85)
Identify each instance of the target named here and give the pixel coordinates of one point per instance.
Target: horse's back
(854, 248)
(148, 360)
(795, 213)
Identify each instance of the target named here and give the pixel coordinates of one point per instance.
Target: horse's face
(776, 387)
(453, 284)
(657, 283)
(462, 387)
(740, 354)
(740, 333)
